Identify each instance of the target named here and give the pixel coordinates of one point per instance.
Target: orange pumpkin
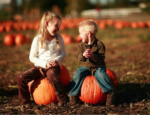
(9, 40)
(102, 25)
(118, 25)
(64, 75)
(133, 25)
(19, 39)
(43, 92)
(7, 28)
(24, 26)
(148, 23)
(1, 28)
(92, 93)
(141, 24)
(78, 39)
(68, 39)
(63, 26)
(36, 26)
(109, 22)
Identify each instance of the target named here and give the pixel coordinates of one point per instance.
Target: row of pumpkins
(15, 39)
(103, 23)
(43, 92)
(6, 26)
(72, 23)
(19, 39)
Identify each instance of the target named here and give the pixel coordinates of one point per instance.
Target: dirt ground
(127, 54)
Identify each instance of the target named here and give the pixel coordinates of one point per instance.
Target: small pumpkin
(43, 92)
(92, 93)
(19, 39)
(68, 39)
(9, 40)
(1, 28)
(134, 25)
(118, 25)
(78, 39)
(102, 25)
(7, 28)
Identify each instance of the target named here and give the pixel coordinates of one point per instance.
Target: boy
(91, 54)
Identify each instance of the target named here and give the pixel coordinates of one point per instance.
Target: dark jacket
(98, 49)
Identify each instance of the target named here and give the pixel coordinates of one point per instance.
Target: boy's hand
(88, 53)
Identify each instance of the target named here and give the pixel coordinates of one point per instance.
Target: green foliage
(45, 5)
(148, 110)
(2, 98)
(144, 37)
(147, 9)
(4, 15)
(77, 5)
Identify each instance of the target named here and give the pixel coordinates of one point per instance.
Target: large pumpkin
(43, 92)
(92, 93)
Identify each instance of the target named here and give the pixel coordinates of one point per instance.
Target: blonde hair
(89, 26)
(48, 16)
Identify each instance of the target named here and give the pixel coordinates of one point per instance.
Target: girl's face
(53, 26)
(83, 34)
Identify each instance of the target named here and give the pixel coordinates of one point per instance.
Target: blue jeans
(101, 77)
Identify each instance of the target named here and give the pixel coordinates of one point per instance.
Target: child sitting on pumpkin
(91, 54)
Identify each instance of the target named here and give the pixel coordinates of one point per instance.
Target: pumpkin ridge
(94, 85)
(45, 89)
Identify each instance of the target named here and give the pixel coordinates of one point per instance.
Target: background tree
(46, 5)
(74, 7)
(14, 7)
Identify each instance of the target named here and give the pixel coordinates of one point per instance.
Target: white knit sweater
(40, 56)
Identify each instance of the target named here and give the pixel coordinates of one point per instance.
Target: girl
(47, 51)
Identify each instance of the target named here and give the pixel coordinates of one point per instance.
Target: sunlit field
(127, 54)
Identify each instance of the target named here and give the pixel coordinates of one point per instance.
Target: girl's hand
(54, 63)
(88, 53)
(49, 64)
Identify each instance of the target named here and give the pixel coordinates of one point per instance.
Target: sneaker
(73, 100)
(110, 99)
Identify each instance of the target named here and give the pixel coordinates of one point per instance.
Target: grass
(144, 37)
(2, 98)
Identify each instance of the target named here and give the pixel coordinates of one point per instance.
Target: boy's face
(83, 34)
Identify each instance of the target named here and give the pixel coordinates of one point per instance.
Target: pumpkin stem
(92, 73)
(42, 73)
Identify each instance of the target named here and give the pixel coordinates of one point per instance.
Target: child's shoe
(110, 99)
(63, 99)
(73, 100)
(24, 102)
